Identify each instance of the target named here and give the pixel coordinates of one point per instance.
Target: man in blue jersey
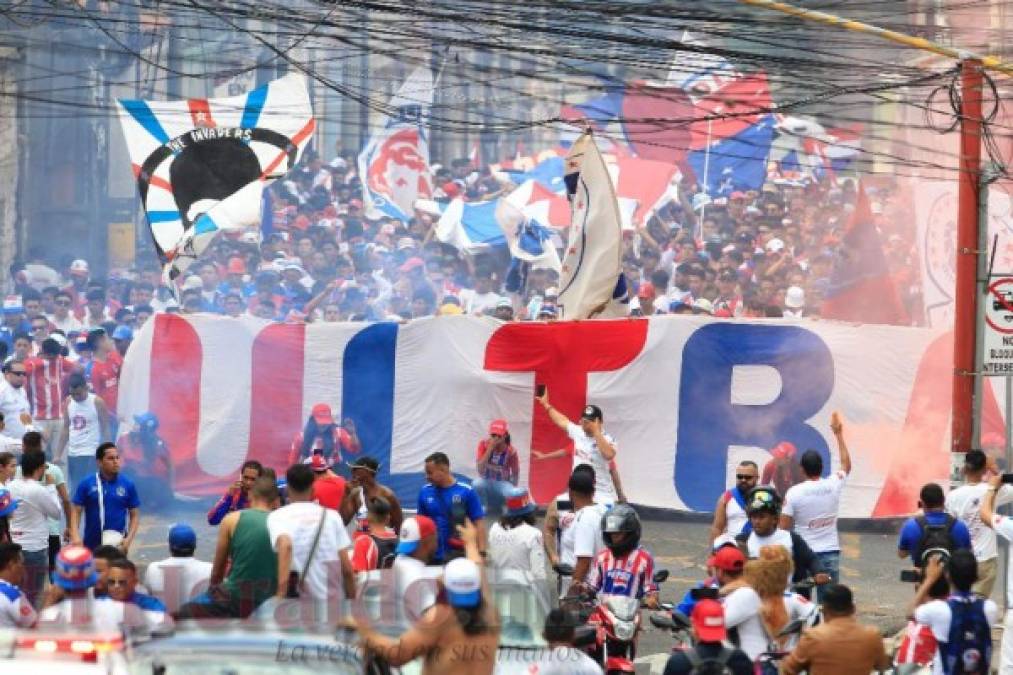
(448, 503)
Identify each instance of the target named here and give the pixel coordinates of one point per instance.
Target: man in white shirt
(1003, 526)
(591, 445)
(741, 603)
(415, 579)
(582, 541)
(812, 506)
(15, 610)
(293, 530)
(964, 504)
(482, 298)
(62, 317)
(29, 523)
(14, 399)
(180, 577)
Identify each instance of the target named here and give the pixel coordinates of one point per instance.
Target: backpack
(968, 648)
(385, 551)
(935, 536)
(714, 665)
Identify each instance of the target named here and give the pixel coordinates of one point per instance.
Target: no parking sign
(998, 356)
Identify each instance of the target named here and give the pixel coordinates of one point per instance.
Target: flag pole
(706, 185)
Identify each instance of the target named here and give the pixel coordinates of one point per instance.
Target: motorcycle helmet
(621, 518)
(763, 498)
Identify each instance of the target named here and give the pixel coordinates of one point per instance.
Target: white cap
(192, 282)
(794, 298)
(703, 305)
(463, 582)
(79, 266)
(775, 245)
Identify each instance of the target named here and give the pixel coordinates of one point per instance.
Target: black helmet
(621, 518)
(763, 498)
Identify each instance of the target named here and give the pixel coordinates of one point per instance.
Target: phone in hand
(1007, 478)
(913, 576)
(539, 390)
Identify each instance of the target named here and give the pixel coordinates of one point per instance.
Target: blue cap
(147, 420)
(182, 535)
(123, 333)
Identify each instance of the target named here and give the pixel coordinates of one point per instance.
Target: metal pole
(1004, 550)
(706, 185)
(979, 319)
(965, 294)
(990, 62)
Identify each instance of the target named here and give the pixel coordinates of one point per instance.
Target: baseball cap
(318, 463)
(737, 195)
(75, 568)
(775, 245)
(322, 414)
(414, 530)
(7, 503)
(703, 306)
(181, 535)
(646, 290)
(79, 267)
(725, 539)
(709, 621)
(498, 427)
(727, 558)
(236, 266)
(123, 333)
(450, 309)
(784, 449)
(518, 502)
(463, 582)
(591, 412)
(504, 302)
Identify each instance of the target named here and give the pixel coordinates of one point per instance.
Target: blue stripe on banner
(163, 216)
(140, 111)
(254, 105)
(204, 225)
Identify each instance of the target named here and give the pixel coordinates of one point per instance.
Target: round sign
(999, 305)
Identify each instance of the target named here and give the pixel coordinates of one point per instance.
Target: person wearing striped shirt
(47, 388)
(624, 567)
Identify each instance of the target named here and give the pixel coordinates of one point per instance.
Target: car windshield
(208, 664)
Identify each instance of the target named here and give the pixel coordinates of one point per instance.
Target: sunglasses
(740, 476)
(19, 373)
(117, 582)
(63, 303)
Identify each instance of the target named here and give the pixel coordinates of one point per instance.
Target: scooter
(616, 620)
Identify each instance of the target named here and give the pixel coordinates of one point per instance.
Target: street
(679, 543)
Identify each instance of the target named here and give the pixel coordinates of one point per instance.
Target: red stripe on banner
(200, 112)
(155, 180)
(561, 355)
(174, 396)
(276, 393)
(296, 140)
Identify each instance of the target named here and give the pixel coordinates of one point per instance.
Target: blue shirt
(911, 533)
(439, 503)
(147, 602)
(119, 496)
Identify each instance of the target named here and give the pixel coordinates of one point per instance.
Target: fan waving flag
(861, 288)
(394, 165)
(201, 164)
(591, 279)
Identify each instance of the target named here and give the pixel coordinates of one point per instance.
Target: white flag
(593, 262)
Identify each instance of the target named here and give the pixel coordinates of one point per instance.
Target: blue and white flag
(591, 274)
(195, 159)
(394, 165)
(470, 227)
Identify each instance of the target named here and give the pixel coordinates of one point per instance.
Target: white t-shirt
(299, 521)
(814, 505)
(742, 611)
(478, 303)
(558, 661)
(519, 548)
(964, 504)
(936, 615)
(54, 472)
(85, 432)
(1004, 526)
(29, 523)
(13, 402)
(416, 586)
(100, 613)
(585, 451)
(582, 539)
(183, 578)
(778, 537)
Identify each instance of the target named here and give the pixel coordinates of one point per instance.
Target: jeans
(79, 468)
(36, 572)
(831, 561)
(491, 494)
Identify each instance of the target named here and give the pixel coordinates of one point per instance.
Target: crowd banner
(685, 397)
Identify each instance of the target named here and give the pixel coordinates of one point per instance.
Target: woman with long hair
(768, 575)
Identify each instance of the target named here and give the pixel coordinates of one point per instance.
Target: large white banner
(685, 397)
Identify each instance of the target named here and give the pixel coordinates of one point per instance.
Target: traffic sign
(998, 343)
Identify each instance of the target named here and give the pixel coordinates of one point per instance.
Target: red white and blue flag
(201, 164)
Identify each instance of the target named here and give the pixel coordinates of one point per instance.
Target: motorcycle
(616, 621)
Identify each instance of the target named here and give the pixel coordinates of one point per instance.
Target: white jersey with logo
(814, 505)
(15, 610)
(585, 451)
(85, 433)
(964, 504)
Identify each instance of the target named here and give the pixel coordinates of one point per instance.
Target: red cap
(498, 427)
(322, 414)
(411, 264)
(236, 266)
(318, 463)
(727, 558)
(646, 290)
(709, 621)
(451, 189)
(737, 195)
(301, 222)
(784, 450)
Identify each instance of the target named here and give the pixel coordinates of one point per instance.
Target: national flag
(394, 165)
(735, 163)
(470, 227)
(528, 240)
(592, 265)
(861, 289)
(190, 157)
(541, 204)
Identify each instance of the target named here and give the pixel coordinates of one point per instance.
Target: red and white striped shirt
(631, 575)
(47, 385)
